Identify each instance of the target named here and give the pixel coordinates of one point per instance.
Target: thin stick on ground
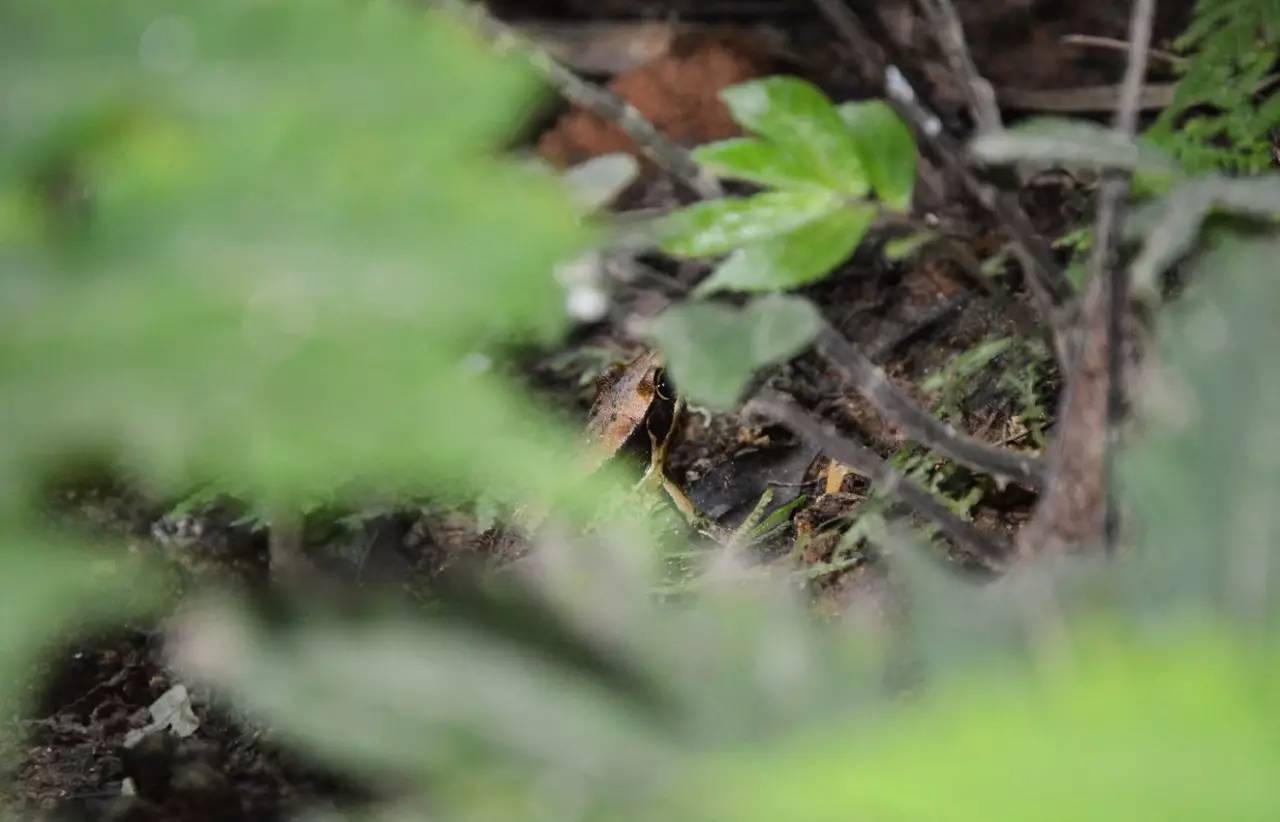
(669, 156)
(949, 33)
(1045, 279)
(822, 435)
(918, 424)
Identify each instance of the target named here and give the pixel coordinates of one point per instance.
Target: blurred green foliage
(270, 245)
(712, 350)
(257, 243)
(254, 245)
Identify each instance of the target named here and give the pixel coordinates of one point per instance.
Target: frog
(636, 414)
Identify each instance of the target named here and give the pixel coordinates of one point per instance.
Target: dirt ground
(914, 317)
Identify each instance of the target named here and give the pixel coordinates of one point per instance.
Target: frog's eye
(666, 390)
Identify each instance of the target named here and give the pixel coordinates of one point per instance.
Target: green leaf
(794, 114)
(292, 224)
(759, 161)
(802, 256)
(712, 349)
(887, 148)
(719, 226)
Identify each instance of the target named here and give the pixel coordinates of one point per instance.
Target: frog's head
(634, 412)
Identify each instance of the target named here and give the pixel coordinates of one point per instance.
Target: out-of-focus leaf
(52, 584)
(594, 183)
(1203, 479)
(713, 349)
(1071, 142)
(794, 113)
(887, 148)
(395, 696)
(267, 244)
(759, 161)
(805, 254)
(1134, 730)
(720, 226)
(1169, 226)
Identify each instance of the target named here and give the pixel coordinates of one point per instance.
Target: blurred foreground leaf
(1072, 142)
(1204, 481)
(49, 586)
(257, 243)
(712, 350)
(1138, 730)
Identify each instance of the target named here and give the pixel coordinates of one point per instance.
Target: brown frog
(635, 414)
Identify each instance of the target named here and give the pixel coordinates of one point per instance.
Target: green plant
(818, 163)
(1225, 112)
(1140, 688)
(251, 245)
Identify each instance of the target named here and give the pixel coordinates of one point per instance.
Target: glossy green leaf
(719, 226)
(887, 148)
(797, 258)
(712, 349)
(759, 161)
(793, 113)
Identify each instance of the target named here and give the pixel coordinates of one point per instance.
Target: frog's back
(623, 399)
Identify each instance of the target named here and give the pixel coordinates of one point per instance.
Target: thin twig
(918, 424)
(822, 435)
(1048, 285)
(596, 99)
(1097, 41)
(978, 92)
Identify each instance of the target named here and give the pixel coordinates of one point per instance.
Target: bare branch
(919, 424)
(978, 92)
(596, 99)
(822, 435)
(1048, 285)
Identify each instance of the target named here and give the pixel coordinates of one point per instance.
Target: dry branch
(594, 98)
(822, 435)
(920, 425)
(1048, 285)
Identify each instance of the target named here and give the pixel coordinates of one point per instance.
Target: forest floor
(925, 320)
